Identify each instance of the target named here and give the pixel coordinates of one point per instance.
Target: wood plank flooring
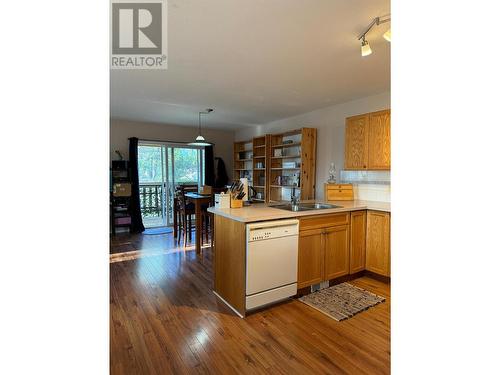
(166, 320)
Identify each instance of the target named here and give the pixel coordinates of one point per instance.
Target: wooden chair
(208, 222)
(209, 218)
(181, 190)
(186, 213)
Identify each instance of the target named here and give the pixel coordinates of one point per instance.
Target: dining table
(198, 200)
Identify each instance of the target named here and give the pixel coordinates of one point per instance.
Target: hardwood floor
(166, 320)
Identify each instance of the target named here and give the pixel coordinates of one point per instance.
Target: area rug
(160, 230)
(341, 301)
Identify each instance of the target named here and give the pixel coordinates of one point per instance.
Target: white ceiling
(257, 61)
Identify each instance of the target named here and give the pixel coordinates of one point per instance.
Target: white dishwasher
(272, 251)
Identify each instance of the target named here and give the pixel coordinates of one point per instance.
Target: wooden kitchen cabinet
(378, 226)
(357, 242)
(323, 248)
(368, 141)
(356, 142)
(310, 259)
(379, 140)
(336, 252)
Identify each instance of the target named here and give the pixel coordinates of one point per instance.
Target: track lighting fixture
(365, 46)
(387, 35)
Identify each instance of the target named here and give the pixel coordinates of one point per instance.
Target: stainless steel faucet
(293, 198)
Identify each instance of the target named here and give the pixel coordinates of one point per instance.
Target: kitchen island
(332, 243)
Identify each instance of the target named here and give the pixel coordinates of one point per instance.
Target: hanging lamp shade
(200, 140)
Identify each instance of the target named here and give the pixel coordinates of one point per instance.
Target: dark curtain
(221, 177)
(209, 166)
(135, 203)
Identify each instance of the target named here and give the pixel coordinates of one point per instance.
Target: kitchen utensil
(252, 192)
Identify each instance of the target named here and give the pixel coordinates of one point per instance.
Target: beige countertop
(263, 211)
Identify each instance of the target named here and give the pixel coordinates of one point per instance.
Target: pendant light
(200, 140)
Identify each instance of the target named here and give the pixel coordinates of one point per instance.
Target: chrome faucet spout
(293, 198)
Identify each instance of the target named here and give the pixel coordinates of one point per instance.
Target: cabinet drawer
(339, 192)
(339, 195)
(323, 221)
(338, 186)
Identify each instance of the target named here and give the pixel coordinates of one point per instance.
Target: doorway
(162, 167)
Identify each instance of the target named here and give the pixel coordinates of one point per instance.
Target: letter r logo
(137, 28)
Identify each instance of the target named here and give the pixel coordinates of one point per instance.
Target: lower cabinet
(336, 252)
(336, 245)
(323, 249)
(378, 243)
(358, 242)
(310, 261)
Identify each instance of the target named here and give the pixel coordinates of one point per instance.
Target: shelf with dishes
(286, 157)
(290, 144)
(243, 157)
(276, 162)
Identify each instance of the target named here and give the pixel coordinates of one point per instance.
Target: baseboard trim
(342, 279)
(228, 305)
(376, 276)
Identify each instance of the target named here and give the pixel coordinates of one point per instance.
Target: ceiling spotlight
(387, 35)
(365, 48)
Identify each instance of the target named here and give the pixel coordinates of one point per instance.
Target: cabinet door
(379, 154)
(358, 242)
(356, 142)
(311, 255)
(336, 251)
(378, 225)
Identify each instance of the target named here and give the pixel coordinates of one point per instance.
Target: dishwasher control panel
(260, 235)
(259, 232)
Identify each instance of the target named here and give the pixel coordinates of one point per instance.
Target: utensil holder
(236, 203)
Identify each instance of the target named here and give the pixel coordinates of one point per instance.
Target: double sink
(305, 206)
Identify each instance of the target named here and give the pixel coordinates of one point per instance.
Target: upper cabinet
(368, 141)
(356, 142)
(379, 140)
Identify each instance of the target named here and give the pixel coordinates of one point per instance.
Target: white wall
(122, 130)
(330, 122)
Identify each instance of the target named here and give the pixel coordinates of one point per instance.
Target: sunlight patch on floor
(137, 254)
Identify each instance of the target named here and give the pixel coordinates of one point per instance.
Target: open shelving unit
(243, 160)
(293, 165)
(279, 163)
(260, 165)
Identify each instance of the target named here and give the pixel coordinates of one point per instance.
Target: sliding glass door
(162, 167)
